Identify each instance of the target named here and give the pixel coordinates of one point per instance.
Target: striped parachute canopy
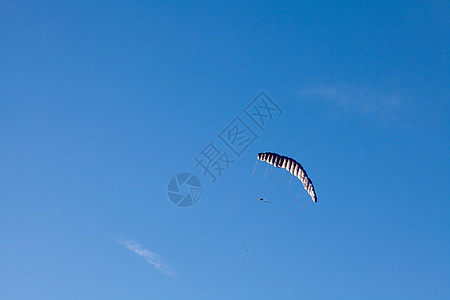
(292, 166)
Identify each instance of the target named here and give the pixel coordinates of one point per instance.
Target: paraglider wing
(292, 166)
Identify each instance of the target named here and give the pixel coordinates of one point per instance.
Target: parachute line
(256, 166)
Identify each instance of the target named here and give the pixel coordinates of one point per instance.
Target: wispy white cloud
(151, 257)
(357, 100)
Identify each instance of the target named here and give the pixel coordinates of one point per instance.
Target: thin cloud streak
(364, 101)
(151, 257)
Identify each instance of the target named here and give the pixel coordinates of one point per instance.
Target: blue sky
(102, 103)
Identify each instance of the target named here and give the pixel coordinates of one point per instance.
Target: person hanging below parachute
(292, 166)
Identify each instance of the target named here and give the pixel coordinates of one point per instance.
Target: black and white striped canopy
(292, 166)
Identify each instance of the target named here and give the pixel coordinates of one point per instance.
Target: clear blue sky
(102, 102)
